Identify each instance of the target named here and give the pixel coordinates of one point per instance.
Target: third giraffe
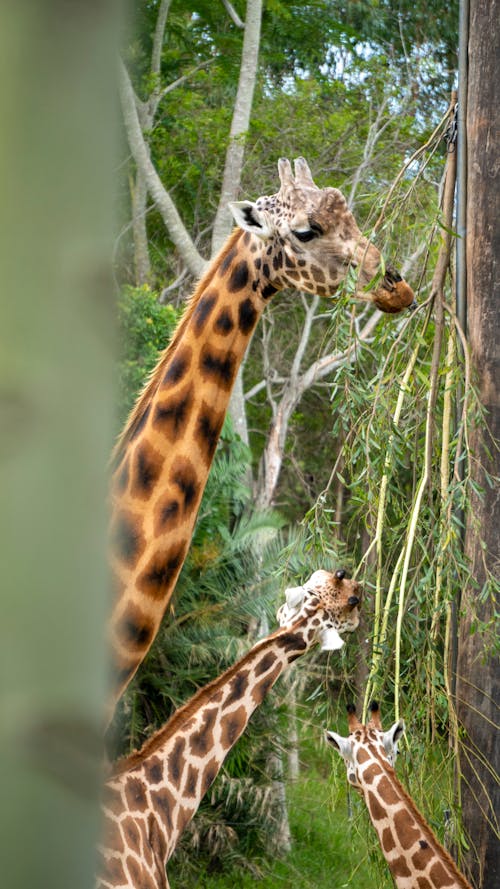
(416, 859)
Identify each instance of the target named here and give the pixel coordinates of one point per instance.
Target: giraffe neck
(156, 791)
(415, 857)
(164, 455)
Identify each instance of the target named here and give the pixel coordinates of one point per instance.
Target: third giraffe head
(366, 744)
(313, 242)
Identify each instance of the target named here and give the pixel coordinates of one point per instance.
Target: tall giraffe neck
(415, 857)
(155, 792)
(165, 452)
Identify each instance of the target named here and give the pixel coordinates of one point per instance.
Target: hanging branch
(403, 562)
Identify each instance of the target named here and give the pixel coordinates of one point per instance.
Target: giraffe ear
(342, 745)
(248, 217)
(391, 737)
(330, 639)
(294, 596)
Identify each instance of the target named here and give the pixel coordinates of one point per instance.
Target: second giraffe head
(329, 601)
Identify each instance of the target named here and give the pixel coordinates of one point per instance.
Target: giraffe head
(366, 743)
(330, 599)
(313, 242)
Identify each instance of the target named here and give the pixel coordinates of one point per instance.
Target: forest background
(354, 440)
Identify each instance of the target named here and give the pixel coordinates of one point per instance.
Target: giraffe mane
(154, 379)
(421, 821)
(201, 697)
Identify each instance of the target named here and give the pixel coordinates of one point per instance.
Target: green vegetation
(376, 466)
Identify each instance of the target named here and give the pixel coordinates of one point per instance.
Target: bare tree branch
(310, 307)
(272, 457)
(232, 12)
(180, 80)
(159, 193)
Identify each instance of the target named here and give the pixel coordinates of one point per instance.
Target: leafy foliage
(358, 89)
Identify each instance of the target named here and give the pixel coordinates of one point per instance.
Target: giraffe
(302, 237)
(415, 857)
(155, 791)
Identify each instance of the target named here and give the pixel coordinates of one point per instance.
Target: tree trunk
(478, 689)
(239, 125)
(142, 265)
(57, 108)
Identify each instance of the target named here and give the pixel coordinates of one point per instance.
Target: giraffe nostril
(340, 574)
(353, 600)
(413, 305)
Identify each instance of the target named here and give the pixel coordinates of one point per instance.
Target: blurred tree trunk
(56, 408)
(142, 264)
(478, 687)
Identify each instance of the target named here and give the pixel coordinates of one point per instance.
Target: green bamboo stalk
(437, 289)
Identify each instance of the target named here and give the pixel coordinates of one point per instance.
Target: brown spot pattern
(261, 689)
(387, 792)
(178, 365)
(440, 875)
(153, 769)
(224, 322)
(218, 366)
(376, 809)
(171, 416)
(208, 427)
(362, 756)
(135, 795)
(406, 828)
(209, 774)
(388, 843)
(161, 571)
(191, 782)
(232, 726)
(176, 761)
(422, 857)
(128, 542)
(184, 476)
(135, 628)
(163, 802)
(203, 739)
(399, 868)
(238, 685)
(238, 278)
(147, 468)
(371, 773)
(131, 834)
(265, 664)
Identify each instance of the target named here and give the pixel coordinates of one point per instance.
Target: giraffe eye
(313, 232)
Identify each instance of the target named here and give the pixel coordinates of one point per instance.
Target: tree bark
(142, 264)
(478, 689)
(56, 419)
(240, 122)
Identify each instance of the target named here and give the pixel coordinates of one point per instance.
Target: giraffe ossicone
(302, 237)
(416, 859)
(154, 792)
